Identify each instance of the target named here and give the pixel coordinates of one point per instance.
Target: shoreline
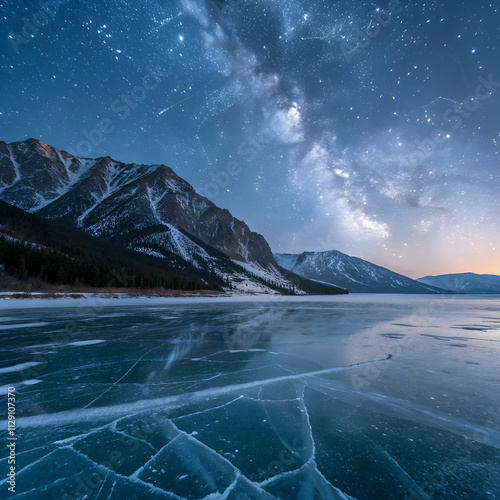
(98, 301)
(8, 295)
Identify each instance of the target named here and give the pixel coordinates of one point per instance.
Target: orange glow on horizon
(418, 264)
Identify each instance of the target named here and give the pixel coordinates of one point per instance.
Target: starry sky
(372, 128)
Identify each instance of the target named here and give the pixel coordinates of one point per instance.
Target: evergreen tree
(22, 267)
(93, 277)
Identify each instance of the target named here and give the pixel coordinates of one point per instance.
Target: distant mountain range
(354, 274)
(466, 282)
(147, 209)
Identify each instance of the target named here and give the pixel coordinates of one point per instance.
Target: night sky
(369, 128)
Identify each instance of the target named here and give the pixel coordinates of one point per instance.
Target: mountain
(110, 198)
(354, 274)
(145, 208)
(465, 282)
(38, 251)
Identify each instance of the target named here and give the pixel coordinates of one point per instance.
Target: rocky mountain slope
(96, 194)
(35, 252)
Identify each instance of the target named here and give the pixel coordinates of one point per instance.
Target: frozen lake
(288, 398)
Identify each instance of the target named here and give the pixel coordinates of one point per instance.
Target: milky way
(370, 128)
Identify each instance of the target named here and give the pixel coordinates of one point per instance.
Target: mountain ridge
(62, 185)
(469, 283)
(354, 274)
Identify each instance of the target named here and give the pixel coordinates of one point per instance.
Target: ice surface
(4, 389)
(85, 342)
(250, 399)
(20, 367)
(12, 326)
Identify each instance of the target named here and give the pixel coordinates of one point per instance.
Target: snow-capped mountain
(465, 282)
(354, 274)
(147, 208)
(110, 198)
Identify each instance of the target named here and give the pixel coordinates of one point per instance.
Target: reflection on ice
(291, 400)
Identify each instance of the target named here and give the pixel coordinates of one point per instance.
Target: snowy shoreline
(91, 300)
(100, 300)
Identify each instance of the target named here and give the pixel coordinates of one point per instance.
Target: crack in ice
(121, 378)
(169, 402)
